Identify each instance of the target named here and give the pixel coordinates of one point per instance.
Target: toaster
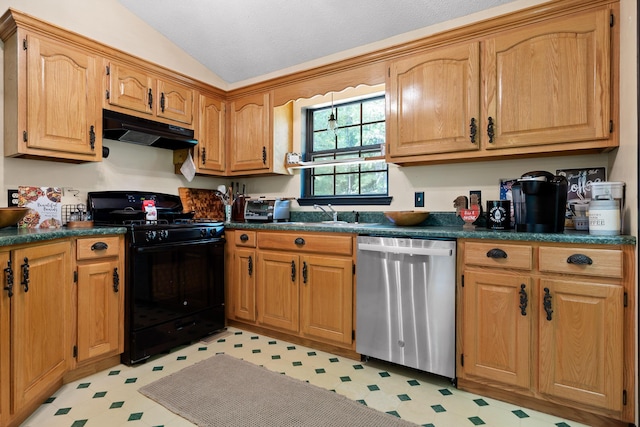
(267, 210)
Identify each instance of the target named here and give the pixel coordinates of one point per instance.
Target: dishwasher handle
(404, 250)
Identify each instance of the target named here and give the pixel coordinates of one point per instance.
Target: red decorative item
(469, 216)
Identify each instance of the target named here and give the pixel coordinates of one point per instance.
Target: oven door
(175, 295)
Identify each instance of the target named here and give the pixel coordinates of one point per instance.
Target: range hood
(135, 130)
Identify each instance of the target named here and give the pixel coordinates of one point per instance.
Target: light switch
(419, 199)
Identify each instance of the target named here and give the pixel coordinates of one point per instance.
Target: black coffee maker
(540, 202)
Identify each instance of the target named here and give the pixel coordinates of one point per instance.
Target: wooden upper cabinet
(52, 100)
(433, 102)
(210, 133)
(549, 83)
(175, 101)
(129, 88)
(135, 91)
(250, 142)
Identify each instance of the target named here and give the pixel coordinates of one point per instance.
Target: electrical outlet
(476, 193)
(12, 198)
(419, 199)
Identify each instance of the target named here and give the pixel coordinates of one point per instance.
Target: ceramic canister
(499, 214)
(604, 217)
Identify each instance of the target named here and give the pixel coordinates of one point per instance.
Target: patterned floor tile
(111, 398)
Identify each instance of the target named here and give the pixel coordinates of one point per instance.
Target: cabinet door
(549, 83)
(581, 342)
(434, 103)
(41, 316)
(64, 111)
(278, 300)
(209, 157)
(175, 102)
(5, 337)
(100, 300)
(244, 284)
(130, 88)
(327, 298)
(250, 143)
(498, 327)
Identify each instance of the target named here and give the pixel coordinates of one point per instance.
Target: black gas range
(174, 282)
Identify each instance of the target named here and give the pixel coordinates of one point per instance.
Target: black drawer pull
(244, 237)
(579, 259)
(99, 246)
(546, 303)
(299, 241)
(496, 253)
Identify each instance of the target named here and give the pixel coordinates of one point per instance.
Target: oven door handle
(163, 246)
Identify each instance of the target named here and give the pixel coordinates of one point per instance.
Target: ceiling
(245, 39)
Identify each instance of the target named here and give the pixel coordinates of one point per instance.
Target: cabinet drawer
(590, 262)
(499, 255)
(245, 238)
(93, 247)
(307, 242)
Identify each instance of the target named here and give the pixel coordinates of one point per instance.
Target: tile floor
(110, 398)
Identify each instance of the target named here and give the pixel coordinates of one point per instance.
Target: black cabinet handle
(25, 274)
(92, 137)
(579, 259)
(473, 130)
(150, 99)
(162, 102)
(264, 155)
(116, 280)
(8, 273)
(490, 131)
(99, 246)
(546, 302)
(299, 241)
(293, 271)
(524, 300)
(304, 273)
(244, 237)
(204, 155)
(496, 253)
(250, 266)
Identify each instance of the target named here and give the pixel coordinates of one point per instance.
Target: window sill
(345, 200)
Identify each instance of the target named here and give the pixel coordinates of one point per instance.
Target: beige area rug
(223, 391)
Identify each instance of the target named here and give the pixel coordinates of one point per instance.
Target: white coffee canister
(604, 217)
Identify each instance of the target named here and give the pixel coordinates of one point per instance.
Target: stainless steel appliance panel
(405, 308)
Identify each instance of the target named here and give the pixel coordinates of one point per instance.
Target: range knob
(212, 232)
(163, 234)
(203, 232)
(150, 235)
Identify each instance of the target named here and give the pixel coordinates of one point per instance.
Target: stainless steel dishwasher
(405, 302)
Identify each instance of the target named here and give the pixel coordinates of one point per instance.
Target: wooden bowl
(11, 216)
(406, 218)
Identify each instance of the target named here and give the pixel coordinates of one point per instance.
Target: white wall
(134, 167)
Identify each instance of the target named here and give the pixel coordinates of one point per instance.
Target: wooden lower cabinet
(43, 322)
(41, 313)
(278, 290)
(100, 271)
(549, 326)
(302, 289)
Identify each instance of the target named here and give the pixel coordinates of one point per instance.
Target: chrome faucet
(334, 217)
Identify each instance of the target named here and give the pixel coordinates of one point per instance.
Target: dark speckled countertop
(437, 225)
(16, 236)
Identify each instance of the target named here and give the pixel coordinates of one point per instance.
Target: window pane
(324, 141)
(323, 185)
(373, 111)
(373, 166)
(373, 134)
(347, 184)
(348, 115)
(374, 183)
(349, 137)
(320, 119)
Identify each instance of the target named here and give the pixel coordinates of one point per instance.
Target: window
(360, 134)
